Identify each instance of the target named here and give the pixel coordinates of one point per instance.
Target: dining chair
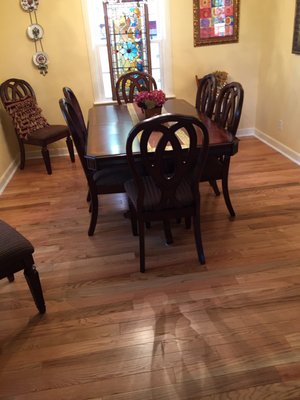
(129, 84)
(70, 96)
(16, 255)
(228, 111)
(205, 104)
(206, 94)
(229, 107)
(19, 100)
(105, 181)
(173, 163)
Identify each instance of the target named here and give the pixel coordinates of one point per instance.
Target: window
(159, 38)
(127, 37)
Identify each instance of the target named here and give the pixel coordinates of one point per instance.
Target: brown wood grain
(226, 331)
(109, 126)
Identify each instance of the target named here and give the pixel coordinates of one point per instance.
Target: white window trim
(95, 63)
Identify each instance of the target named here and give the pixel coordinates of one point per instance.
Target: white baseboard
(55, 152)
(245, 132)
(276, 145)
(8, 174)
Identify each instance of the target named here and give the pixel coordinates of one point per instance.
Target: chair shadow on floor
(173, 333)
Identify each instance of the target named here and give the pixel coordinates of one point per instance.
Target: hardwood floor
(230, 330)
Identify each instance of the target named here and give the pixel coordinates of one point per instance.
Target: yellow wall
(240, 60)
(261, 61)
(279, 77)
(64, 42)
(8, 147)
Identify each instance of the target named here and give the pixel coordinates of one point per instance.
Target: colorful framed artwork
(296, 37)
(216, 21)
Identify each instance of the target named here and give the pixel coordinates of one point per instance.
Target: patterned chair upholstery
(16, 255)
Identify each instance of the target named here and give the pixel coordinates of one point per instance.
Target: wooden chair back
(206, 94)
(129, 84)
(78, 131)
(172, 161)
(229, 106)
(14, 89)
(70, 96)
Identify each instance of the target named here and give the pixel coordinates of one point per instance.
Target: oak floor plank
(228, 330)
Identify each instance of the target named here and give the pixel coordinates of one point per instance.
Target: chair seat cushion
(13, 248)
(49, 132)
(26, 115)
(116, 175)
(152, 196)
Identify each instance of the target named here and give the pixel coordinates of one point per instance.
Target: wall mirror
(216, 21)
(296, 38)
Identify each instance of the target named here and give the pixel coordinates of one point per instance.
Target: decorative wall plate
(40, 58)
(35, 32)
(29, 5)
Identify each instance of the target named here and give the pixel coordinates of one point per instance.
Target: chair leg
(94, 213)
(198, 239)
(131, 214)
(133, 222)
(142, 245)
(168, 232)
(33, 281)
(22, 154)
(46, 157)
(88, 196)
(148, 224)
(70, 148)
(187, 221)
(11, 277)
(214, 185)
(225, 186)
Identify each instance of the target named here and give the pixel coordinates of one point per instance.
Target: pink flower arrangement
(149, 100)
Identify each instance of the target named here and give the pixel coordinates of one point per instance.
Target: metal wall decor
(35, 32)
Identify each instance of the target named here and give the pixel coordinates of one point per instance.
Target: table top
(109, 125)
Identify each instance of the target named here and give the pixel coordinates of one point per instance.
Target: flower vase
(151, 112)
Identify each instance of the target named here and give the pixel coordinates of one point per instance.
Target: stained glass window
(127, 34)
(159, 38)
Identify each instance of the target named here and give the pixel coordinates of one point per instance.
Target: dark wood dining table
(109, 125)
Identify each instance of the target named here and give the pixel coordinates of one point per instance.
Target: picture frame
(216, 22)
(296, 36)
